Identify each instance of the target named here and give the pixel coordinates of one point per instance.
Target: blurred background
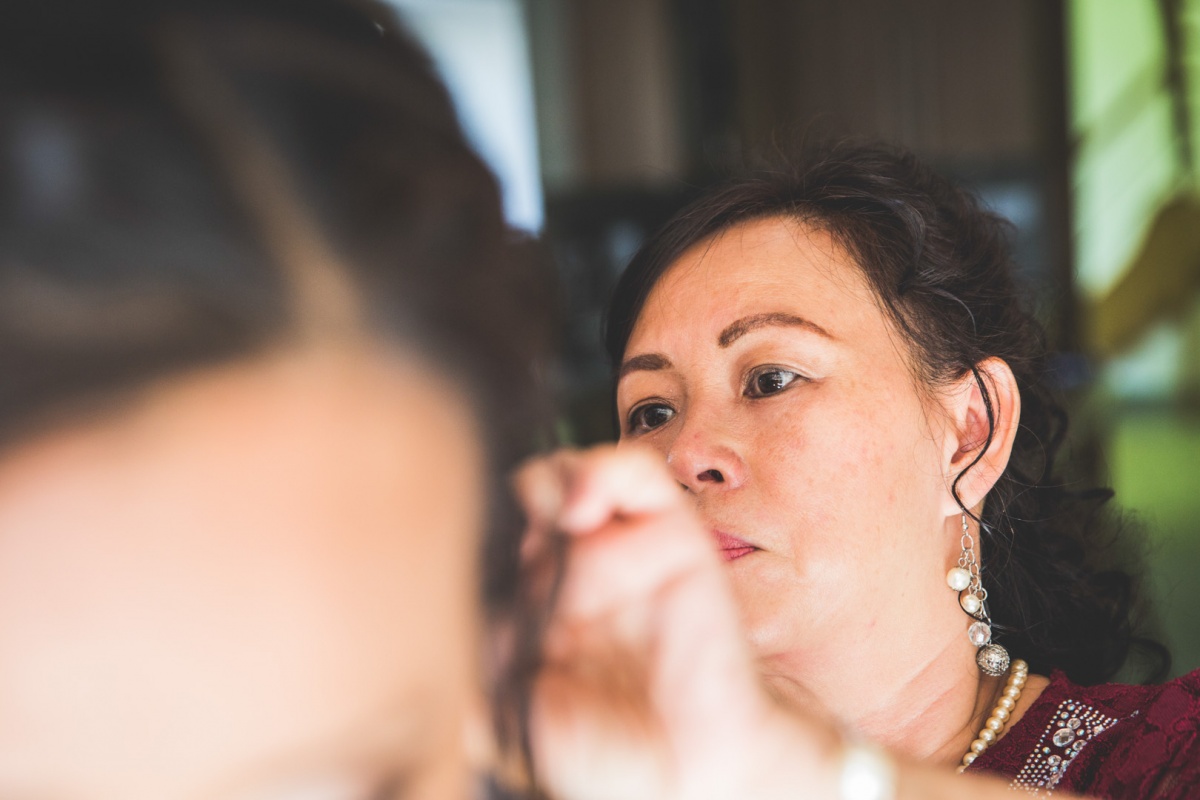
(1079, 120)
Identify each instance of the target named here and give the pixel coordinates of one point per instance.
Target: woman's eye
(769, 381)
(650, 416)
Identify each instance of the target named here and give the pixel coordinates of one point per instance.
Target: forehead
(772, 264)
(253, 565)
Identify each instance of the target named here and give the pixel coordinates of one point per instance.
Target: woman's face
(763, 368)
(260, 582)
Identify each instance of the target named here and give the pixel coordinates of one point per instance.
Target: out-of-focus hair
(187, 182)
(941, 267)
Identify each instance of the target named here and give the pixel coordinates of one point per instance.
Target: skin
(256, 581)
(784, 402)
(647, 689)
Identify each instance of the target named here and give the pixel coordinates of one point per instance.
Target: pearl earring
(965, 579)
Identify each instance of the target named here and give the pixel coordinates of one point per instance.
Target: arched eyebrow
(653, 362)
(739, 328)
(649, 362)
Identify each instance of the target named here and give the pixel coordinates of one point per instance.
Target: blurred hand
(648, 689)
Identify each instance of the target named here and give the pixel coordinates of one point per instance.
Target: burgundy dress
(1110, 741)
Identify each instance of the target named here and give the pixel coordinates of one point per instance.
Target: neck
(928, 711)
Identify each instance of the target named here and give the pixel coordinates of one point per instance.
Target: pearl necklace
(996, 723)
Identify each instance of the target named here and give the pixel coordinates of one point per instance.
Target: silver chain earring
(965, 579)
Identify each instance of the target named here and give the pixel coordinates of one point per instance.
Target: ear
(969, 452)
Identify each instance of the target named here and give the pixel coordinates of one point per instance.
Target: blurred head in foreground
(257, 354)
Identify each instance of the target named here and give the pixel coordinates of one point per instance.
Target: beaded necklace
(998, 721)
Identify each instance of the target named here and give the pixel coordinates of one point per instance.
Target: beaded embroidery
(1068, 732)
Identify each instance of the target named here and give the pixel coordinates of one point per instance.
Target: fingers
(630, 527)
(541, 484)
(642, 651)
(631, 481)
(639, 564)
(627, 561)
(577, 491)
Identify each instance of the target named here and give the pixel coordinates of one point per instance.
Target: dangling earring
(964, 579)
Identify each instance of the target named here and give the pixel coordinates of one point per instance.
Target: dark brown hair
(940, 264)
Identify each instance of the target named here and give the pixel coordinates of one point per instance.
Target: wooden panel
(953, 80)
(629, 99)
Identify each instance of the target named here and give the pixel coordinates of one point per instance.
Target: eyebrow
(741, 327)
(653, 362)
(649, 362)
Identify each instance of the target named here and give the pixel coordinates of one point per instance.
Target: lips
(731, 547)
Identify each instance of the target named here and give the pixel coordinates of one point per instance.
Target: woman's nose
(706, 460)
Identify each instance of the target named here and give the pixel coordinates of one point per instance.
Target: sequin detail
(1067, 733)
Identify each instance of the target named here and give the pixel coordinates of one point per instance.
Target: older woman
(833, 364)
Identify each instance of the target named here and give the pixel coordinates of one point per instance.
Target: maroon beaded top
(1110, 741)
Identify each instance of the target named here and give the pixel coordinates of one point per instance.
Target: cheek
(815, 456)
(842, 466)
(840, 482)
(200, 623)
